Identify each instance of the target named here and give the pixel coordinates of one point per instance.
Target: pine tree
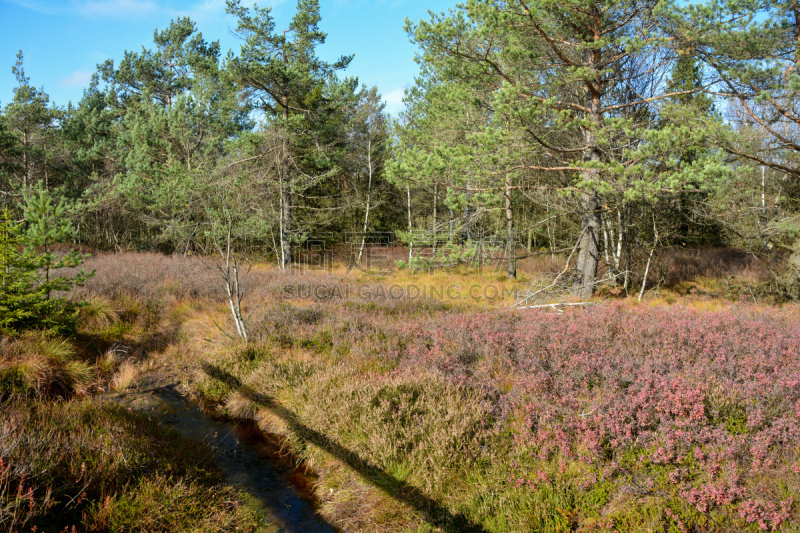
(9, 153)
(300, 98)
(753, 49)
(29, 116)
(689, 106)
(176, 109)
(577, 84)
(47, 225)
(25, 301)
(686, 82)
(162, 74)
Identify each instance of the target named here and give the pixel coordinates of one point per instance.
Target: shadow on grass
(435, 513)
(275, 501)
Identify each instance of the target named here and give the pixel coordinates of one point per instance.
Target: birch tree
(368, 144)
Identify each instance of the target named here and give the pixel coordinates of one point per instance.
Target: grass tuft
(104, 468)
(125, 377)
(98, 312)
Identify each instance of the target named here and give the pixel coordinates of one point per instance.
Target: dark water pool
(279, 505)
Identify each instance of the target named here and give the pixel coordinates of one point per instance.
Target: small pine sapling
(25, 298)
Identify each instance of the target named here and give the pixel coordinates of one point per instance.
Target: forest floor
(401, 403)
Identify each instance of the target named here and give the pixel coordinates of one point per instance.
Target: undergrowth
(620, 418)
(425, 415)
(99, 467)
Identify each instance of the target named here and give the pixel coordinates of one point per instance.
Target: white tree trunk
(369, 193)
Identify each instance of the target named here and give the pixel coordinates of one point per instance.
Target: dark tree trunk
(591, 224)
(586, 267)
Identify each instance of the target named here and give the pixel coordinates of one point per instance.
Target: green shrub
(26, 286)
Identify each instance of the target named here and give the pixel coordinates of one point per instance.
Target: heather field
(424, 412)
(267, 269)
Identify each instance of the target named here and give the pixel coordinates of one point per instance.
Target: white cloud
(394, 100)
(158, 11)
(42, 6)
(79, 78)
(209, 11)
(97, 56)
(115, 8)
(93, 8)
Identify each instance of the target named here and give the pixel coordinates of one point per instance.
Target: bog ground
(408, 414)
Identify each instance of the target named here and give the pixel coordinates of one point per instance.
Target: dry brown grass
(37, 364)
(676, 265)
(145, 284)
(125, 377)
(83, 465)
(97, 312)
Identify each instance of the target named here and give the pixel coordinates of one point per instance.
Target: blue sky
(63, 40)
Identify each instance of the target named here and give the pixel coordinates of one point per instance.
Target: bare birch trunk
(229, 269)
(411, 243)
(649, 259)
(369, 194)
(286, 220)
(512, 245)
(435, 201)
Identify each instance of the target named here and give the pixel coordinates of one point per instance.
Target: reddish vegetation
(713, 399)
(701, 405)
(616, 416)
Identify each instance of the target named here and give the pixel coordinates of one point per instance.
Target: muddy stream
(280, 506)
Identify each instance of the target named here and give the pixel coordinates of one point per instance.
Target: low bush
(618, 417)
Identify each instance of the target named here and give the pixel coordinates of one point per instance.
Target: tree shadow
(244, 465)
(434, 513)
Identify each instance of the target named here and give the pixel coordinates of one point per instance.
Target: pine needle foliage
(26, 300)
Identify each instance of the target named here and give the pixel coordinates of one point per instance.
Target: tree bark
(649, 259)
(586, 268)
(287, 226)
(627, 247)
(411, 243)
(796, 11)
(451, 225)
(286, 219)
(606, 240)
(369, 197)
(435, 214)
(26, 176)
